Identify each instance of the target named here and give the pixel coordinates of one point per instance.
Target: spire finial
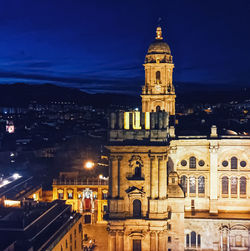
(158, 30)
(158, 33)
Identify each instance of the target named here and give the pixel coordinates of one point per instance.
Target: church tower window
(158, 75)
(234, 163)
(224, 185)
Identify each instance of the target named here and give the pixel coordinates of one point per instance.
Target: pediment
(135, 191)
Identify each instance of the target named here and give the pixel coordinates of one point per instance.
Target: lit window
(201, 185)
(224, 185)
(192, 162)
(192, 185)
(234, 182)
(70, 194)
(60, 194)
(243, 185)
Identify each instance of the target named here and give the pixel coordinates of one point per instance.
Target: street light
(89, 164)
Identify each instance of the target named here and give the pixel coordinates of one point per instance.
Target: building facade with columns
(172, 192)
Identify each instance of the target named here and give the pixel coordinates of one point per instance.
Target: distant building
(40, 226)
(87, 196)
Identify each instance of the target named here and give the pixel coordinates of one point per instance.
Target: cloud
(92, 83)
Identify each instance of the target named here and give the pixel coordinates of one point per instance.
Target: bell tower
(158, 93)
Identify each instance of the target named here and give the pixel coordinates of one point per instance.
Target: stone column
(248, 239)
(119, 158)
(161, 241)
(152, 158)
(99, 201)
(152, 241)
(155, 179)
(114, 168)
(213, 149)
(162, 177)
(120, 246)
(112, 241)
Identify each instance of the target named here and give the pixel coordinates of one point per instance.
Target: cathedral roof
(159, 46)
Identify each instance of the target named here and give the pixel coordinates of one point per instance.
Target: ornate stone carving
(213, 148)
(135, 161)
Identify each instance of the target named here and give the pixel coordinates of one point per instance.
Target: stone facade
(172, 192)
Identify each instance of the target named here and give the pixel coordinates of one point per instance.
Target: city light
(89, 164)
(100, 176)
(16, 176)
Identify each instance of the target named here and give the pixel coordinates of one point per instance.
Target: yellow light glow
(126, 120)
(136, 120)
(89, 164)
(147, 120)
(11, 203)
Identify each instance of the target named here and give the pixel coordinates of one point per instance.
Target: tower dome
(158, 49)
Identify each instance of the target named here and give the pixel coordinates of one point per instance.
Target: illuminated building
(10, 128)
(158, 93)
(173, 192)
(87, 196)
(40, 226)
(15, 189)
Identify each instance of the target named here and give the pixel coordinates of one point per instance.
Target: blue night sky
(99, 46)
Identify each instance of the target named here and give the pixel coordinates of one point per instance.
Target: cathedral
(170, 192)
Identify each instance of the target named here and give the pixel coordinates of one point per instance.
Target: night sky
(99, 46)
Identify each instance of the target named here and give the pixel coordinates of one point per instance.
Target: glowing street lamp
(89, 164)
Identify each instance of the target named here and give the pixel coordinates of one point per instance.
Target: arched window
(60, 194)
(138, 169)
(184, 183)
(243, 185)
(199, 240)
(234, 163)
(136, 208)
(158, 75)
(187, 240)
(201, 185)
(192, 185)
(224, 183)
(234, 181)
(192, 162)
(193, 239)
(70, 194)
(158, 108)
